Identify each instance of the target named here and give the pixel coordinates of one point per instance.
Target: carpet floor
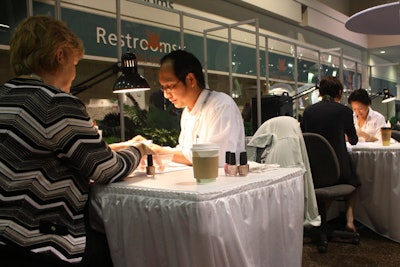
(372, 251)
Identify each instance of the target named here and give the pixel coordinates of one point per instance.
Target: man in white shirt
(208, 116)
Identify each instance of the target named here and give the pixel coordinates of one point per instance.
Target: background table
(170, 220)
(378, 197)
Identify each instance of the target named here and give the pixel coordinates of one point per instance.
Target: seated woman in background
(367, 122)
(333, 121)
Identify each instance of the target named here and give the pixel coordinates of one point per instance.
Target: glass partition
(151, 32)
(330, 65)
(307, 63)
(281, 63)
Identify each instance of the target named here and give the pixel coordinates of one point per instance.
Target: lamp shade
(130, 80)
(381, 19)
(387, 97)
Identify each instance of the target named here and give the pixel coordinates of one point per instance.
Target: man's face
(174, 90)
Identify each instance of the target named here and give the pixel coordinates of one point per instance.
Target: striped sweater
(49, 151)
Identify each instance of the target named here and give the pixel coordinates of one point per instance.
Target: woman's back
(334, 121)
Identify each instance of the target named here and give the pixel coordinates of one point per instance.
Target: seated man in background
(208, 116)
(367, 121)
(334, 121)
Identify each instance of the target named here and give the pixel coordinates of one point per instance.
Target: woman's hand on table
(119, 146)
(363, 135)
(142, 146)
(145, 146)
(131, 142)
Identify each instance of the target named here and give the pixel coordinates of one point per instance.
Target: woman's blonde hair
(35, 42)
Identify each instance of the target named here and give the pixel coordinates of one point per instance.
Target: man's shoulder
(221, 103)
(221, 98)
(221, 95)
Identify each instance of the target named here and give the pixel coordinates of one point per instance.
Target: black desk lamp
(387, 96)
(129, 80)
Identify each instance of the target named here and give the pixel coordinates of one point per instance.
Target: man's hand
(143, 148)
(138, 138)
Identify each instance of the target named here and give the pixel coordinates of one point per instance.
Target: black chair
(396, 135)
(325, 171)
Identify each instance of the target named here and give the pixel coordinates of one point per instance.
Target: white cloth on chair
(280, 141)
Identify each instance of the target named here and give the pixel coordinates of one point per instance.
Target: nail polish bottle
(150, 169)
(243, 167)
(227, 158)
(232, 167)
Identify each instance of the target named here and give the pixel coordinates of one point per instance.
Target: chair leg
(322, 243)
(353, 236)
(325, 232)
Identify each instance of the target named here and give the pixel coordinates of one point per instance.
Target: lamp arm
(88, 83)
(307, 91)
(298, 95)
(373, 96)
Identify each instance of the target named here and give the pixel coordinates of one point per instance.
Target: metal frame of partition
(377, 66)
(57, 8)
(119, 55)
(340, 55)
(29, 7)
(336, 51)
(222, 25)
(389, 109)
(258, 35)
(229, 27)
(258, 78)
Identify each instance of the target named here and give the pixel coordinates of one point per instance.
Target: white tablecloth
(378, 197)
(170, 220)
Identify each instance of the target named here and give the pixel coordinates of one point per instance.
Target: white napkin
(260, 167)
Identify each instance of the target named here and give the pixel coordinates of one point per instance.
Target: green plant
(160, 136)
(394, 122)
(165, 119)
(111, 128)
(135, 113)
(248, 128)
(161, 126)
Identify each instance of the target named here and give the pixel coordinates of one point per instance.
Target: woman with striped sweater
(50, 150)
